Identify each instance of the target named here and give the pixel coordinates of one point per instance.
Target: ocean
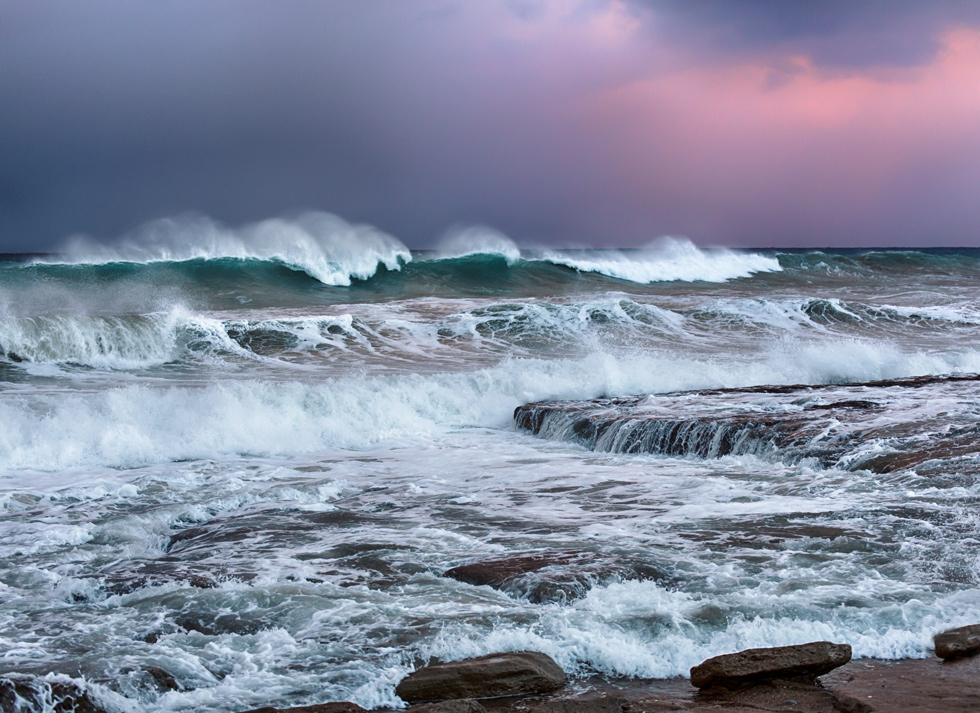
(248, 457)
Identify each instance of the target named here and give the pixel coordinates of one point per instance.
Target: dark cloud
(837, 34)
(412, 116)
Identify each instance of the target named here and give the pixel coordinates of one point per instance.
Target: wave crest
(478, 240)
(322, 245)
(666, 260)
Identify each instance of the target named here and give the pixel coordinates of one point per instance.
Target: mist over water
(317, 423)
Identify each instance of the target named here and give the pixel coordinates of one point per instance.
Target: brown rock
(918, 686)
(331, 707)
(964, 641)
(459, 705)
(803, 662)
(163, 679)
(19, 692)
(553, 576)
(578, 705)
(505, 674)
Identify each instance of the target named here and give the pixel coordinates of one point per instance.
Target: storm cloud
(601, 123)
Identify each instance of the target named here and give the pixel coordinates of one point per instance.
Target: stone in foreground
(802, 662)
(331, 707)
(507, 674)
(964, 641)
(458, 705)
(916, 686)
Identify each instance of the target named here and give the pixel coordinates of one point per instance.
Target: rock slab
(505, 674)
(803, 662)
(964, 641)
(917, 686)
(331, 707)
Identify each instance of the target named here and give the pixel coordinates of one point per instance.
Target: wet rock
(459, 705)
(963, 641)
(578, 705)
(553, 576)
(802, 662)
(163, 679)
(917, 686)
(135, 576)
(504, 674)
(332, 707)
(26, 693)
(830, 423)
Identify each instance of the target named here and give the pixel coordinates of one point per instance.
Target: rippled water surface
(249, 463)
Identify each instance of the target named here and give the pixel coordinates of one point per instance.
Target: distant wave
(477, 240)
(320, 244)
(667, 260)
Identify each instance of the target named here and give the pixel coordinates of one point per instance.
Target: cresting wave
(320, 244)
(139, 425)
(335, 252)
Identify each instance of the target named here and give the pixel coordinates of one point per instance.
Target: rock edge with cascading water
(923, 422)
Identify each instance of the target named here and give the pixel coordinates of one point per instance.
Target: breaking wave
(322, 245)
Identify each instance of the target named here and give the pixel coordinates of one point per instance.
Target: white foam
(478, 240)
(138, 425)
(324, 246)
(666, 260)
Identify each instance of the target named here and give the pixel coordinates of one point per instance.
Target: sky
(757, 123)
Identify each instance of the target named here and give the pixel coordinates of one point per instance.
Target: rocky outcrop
(504, 674)
(26, 693)
(918, 686)
(954, 643)
(830, 423)
(543, 577)
(801, 662)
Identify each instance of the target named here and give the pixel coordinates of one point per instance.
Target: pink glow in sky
(597, 122)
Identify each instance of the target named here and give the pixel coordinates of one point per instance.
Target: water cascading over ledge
(882, 426)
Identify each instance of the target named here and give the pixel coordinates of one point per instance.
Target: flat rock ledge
(803, 662)
(332, 707)
(505, 674)
(964, 641)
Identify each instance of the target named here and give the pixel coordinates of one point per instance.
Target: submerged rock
(163, 679)
(30, 693)
(504, 674)
(801, 662)
(963, 641)
(553, 576)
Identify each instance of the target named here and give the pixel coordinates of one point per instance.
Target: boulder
(964, 641)
(801, 662)
(504, 674)
(551, 576)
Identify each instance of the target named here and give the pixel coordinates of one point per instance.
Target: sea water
(248, 456)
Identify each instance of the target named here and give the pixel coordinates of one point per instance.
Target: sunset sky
(606, 123)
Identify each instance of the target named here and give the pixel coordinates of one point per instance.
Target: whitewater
(247, 456)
